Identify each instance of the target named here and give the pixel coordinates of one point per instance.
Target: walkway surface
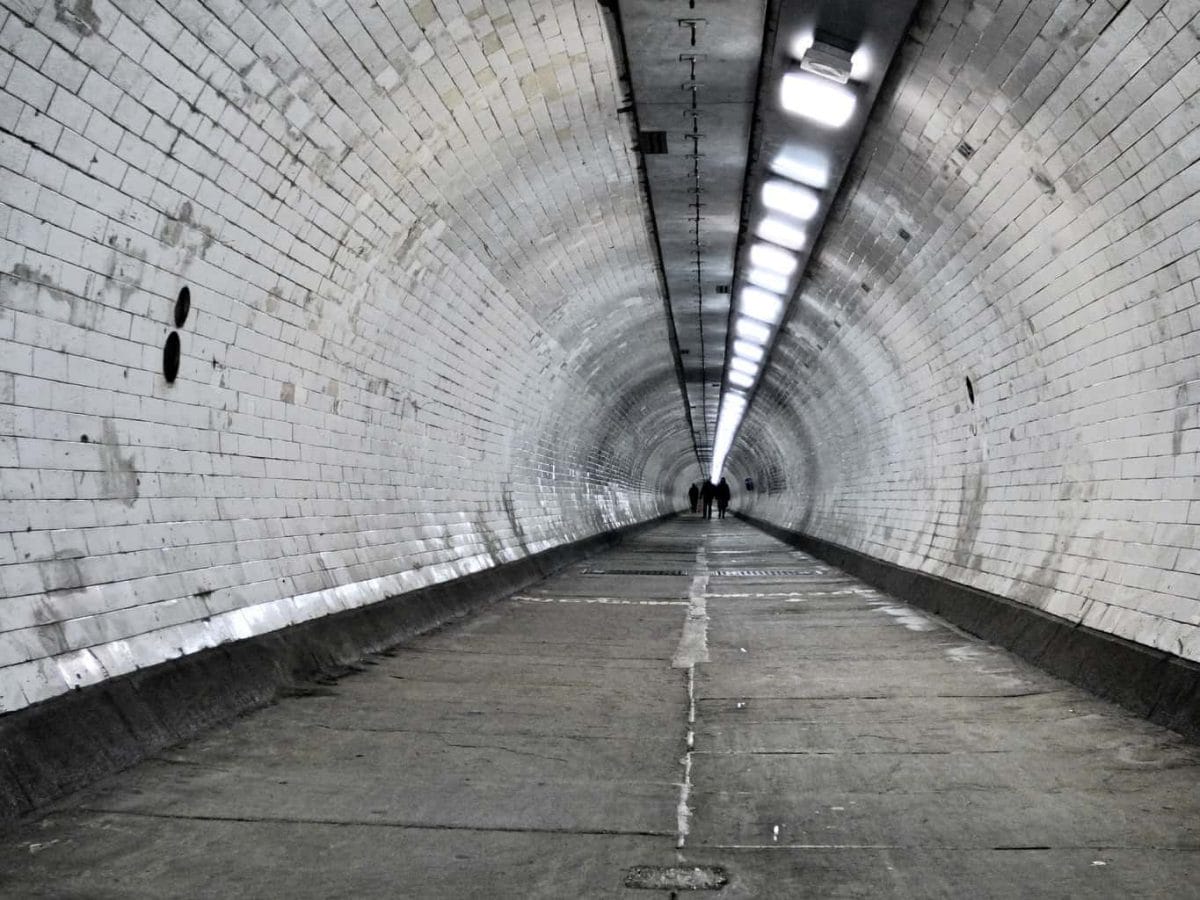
(703, 694)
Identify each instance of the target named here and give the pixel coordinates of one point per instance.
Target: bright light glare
(860, 64)
(751, 330)
(758, 304)
(741, 379)
(793, 200)
(777, 231)
(743, 365)
(801, 42)
(816, 98)
(770, 281)
(733, 407)
(773, 259)
(803, 165)
(749, 351)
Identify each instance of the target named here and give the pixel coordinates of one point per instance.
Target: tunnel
(357, 359)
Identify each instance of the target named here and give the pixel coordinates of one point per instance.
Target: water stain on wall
(510, 510)
(62, 572)
(78, 15)
(1184, 410)
(183, 231)
(118, 479)
(972, 498)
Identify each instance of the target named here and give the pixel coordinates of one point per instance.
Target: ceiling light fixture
(758, 304)
(793, 200)
(860, 64)
(817, 99)
(749, 351)
(770, 281)
(772, 258)
(743, 365)
(741, 379)
(751, 330)
(803, 165)
(827, 61)
(777, 231)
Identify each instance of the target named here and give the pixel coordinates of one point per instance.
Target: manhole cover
(676, 878)
(635, 572)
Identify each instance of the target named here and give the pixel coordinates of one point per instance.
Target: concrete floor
(844, 745)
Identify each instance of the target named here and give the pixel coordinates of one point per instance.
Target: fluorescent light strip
(749, 351)
(772, 258)
(793, 200)
(770, 281)
(741, 379)
(818, 99)
(777, 231)
(751, 330)
(802, 164)
(758, 304)
(743, 365)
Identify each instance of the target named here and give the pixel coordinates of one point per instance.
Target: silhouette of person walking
(723, 493)
(707, 493)
(693, 495)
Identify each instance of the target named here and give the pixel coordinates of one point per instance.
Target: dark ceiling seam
(617, 36)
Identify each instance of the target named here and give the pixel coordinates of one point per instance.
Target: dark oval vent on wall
(652, 141)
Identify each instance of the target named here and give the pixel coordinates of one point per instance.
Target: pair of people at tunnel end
(719, 492)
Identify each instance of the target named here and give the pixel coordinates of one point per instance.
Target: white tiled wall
(420, 279)
(1056, 267)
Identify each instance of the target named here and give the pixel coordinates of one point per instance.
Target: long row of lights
(790, 198)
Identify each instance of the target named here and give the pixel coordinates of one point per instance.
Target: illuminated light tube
(758, 304)
(741, 379)
(803, 165)
(818, 99)
(770, 281)
(743, 365)
(860, 64)
(749, 351)
(773, 259)
(751, 330)
(793, 200)
(777, 231)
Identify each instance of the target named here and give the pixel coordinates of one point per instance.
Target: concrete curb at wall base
(66, 743)
(1158, 686)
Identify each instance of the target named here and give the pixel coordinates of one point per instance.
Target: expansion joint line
(692, 649)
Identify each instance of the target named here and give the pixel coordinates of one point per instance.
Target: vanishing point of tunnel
(599, 448)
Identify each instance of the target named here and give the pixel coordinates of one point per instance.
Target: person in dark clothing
(693, 495)
(723, 493)
(707, 493)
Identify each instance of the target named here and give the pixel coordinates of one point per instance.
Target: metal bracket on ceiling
(691, 86)
(693, 57)
(693, 24)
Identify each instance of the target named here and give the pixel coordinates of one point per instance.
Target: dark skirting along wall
(64, 744)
